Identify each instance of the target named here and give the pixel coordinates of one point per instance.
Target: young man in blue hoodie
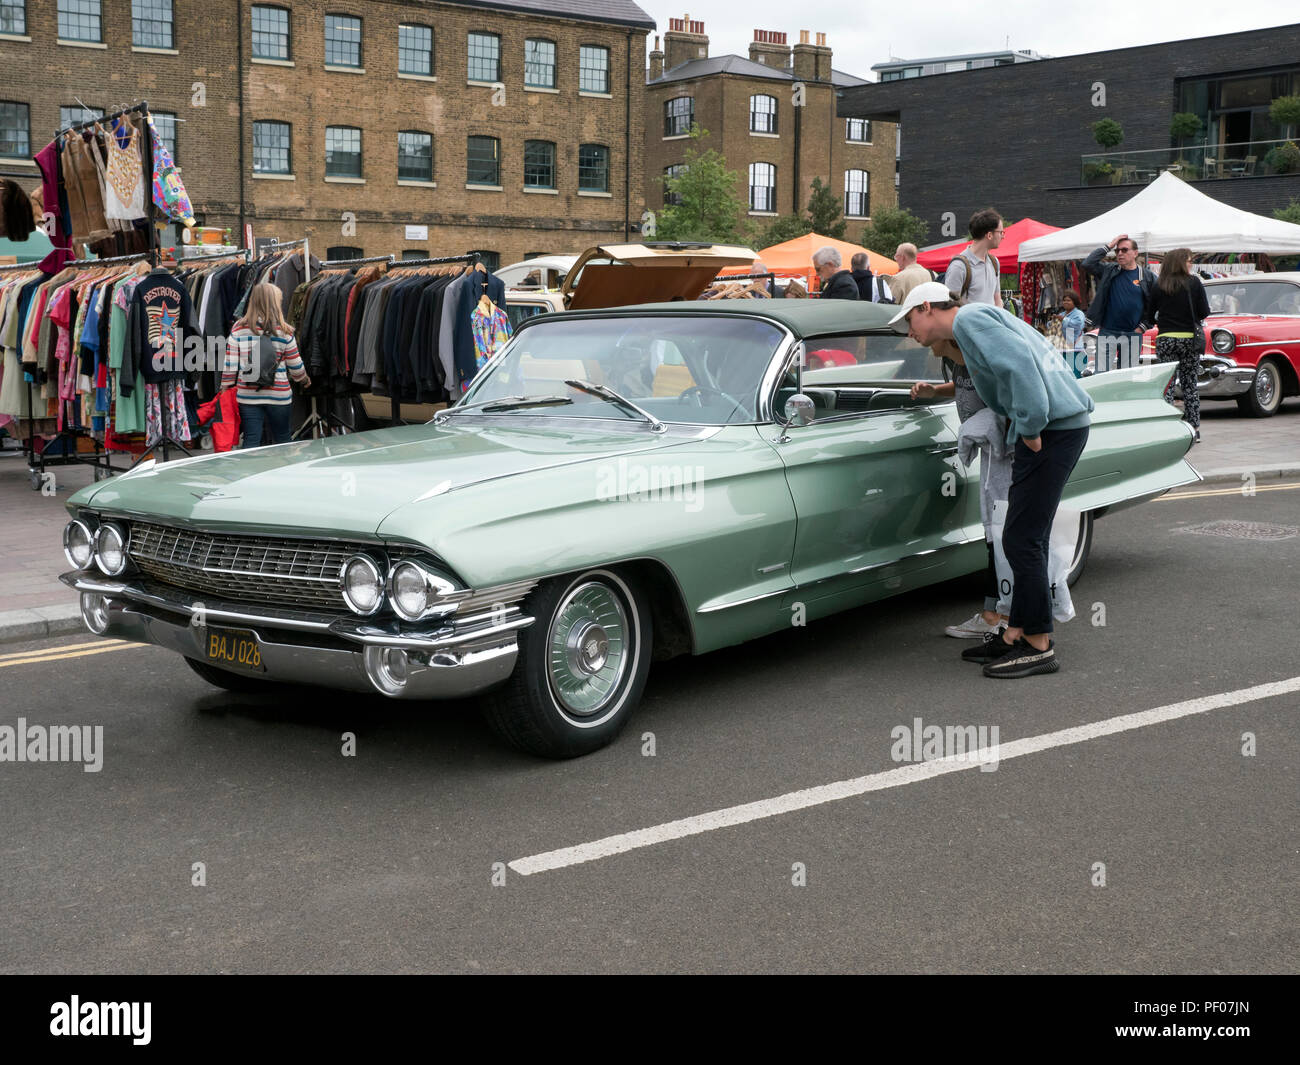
(1020, 376)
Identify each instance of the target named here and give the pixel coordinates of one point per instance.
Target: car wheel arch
(673, 632)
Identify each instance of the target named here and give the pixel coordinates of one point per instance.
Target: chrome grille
(257, 569)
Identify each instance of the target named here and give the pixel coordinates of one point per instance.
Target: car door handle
(942, 450)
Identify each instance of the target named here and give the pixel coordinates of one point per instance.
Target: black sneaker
(1023, 660)
(993, 646)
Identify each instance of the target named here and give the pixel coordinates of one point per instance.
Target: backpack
(881, 293)
(970, 269)
(261, 370)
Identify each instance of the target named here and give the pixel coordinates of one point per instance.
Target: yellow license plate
(234, 647)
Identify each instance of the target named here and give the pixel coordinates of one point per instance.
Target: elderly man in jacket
(836, 283)
(1121, 308)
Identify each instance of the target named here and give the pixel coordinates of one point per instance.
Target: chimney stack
(684, 41)
(812, 62)
(656, 61)
(770, 49)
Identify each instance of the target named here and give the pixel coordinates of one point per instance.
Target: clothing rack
(770, 278)
(330, 264)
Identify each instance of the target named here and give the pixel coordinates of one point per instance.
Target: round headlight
(110, 550)
(363, 586)
(78, 544)
(1222, 341)
(410, 591)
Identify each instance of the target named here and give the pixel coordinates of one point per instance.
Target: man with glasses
(975, 275)
(1121, 308)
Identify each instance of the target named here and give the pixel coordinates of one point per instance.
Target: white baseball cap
(926, 292)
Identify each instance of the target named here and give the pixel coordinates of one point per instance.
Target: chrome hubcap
(588, 649)
(1265, 385)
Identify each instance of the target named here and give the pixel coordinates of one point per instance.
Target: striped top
(242, 348)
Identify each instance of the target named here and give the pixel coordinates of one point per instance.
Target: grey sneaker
(1023, 660)
(975, 628)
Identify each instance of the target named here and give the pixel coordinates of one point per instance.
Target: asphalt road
(384, 861)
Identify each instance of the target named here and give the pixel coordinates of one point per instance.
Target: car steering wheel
(699, 390)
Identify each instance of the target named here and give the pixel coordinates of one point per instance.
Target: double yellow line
(68, 650)
(1229, 492)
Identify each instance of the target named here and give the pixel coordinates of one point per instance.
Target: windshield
(1259, 297)
(695, 369)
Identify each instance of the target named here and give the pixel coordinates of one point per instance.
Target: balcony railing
(1196, 162)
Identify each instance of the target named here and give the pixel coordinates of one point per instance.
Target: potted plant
(1109, 134)
(1098, 173)
(1284, 159)
(1184, 126)
(1285, 112)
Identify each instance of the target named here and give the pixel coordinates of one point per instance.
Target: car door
(880, 497)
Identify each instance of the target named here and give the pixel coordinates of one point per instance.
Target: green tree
(891, 226)
(787, 227)
(1185, 124)
(1285, 111)
(708, 207)
(1107, 132)
(826, 211)
(1289, 213)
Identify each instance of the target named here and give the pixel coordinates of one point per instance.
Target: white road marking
(892, 778)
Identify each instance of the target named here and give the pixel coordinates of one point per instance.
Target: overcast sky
(864, 32)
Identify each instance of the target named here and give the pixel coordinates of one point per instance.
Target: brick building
(407, 126)
(773, 117)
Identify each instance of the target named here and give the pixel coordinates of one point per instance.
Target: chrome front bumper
(300, 647)
(1220, 381)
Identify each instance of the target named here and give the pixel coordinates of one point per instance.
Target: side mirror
(799, 410)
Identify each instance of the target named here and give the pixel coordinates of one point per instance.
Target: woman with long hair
(262, 339)
(1178, 306)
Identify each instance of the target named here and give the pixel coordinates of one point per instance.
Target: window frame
(769, 188)
(672, 170)
(672, 121)
(864, 192)
(175, 127)
(582, 70)
(496, 161)
(534, 145)
(360, 64)
(470, 57)
(147, 18)
(754, 113)
(418, 133)
(604, 187)
(26, 153)
(288, 32)
(433, 67)
(19, 29)
(493, 262)
(554, 62)
(848, 131)
(288, 145)
(83, 114)
(360, 153)
(75, 10)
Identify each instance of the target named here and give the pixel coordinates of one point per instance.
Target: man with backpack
(975, 274)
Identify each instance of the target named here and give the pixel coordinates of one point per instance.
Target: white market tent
(1169, 214)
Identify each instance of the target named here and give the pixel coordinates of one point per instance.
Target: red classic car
(1252, 342)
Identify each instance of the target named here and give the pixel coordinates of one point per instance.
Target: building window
(13, 16)
(593, 68)
(80, 20)
(539, 64)
(74, 116)
(271, 148)
(672, 199)
(539, 165)
(415, 50)
(762, 187)
(15, 130)
(342, 151)
(857, 200)
(483, 161)
(857, 130)
(593, 167)
(490, 259)
(762, 114)
(165, 123)
(151, 23)
(270, 33)
(414, 253)
(342, 41)
(343, 252)
(414, 155)
(679, 114)
(484, 57)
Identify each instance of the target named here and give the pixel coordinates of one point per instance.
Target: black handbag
(1198, 331)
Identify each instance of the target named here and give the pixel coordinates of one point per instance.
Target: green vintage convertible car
(616, 486)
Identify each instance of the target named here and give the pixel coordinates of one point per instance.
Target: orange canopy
(793, 258)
